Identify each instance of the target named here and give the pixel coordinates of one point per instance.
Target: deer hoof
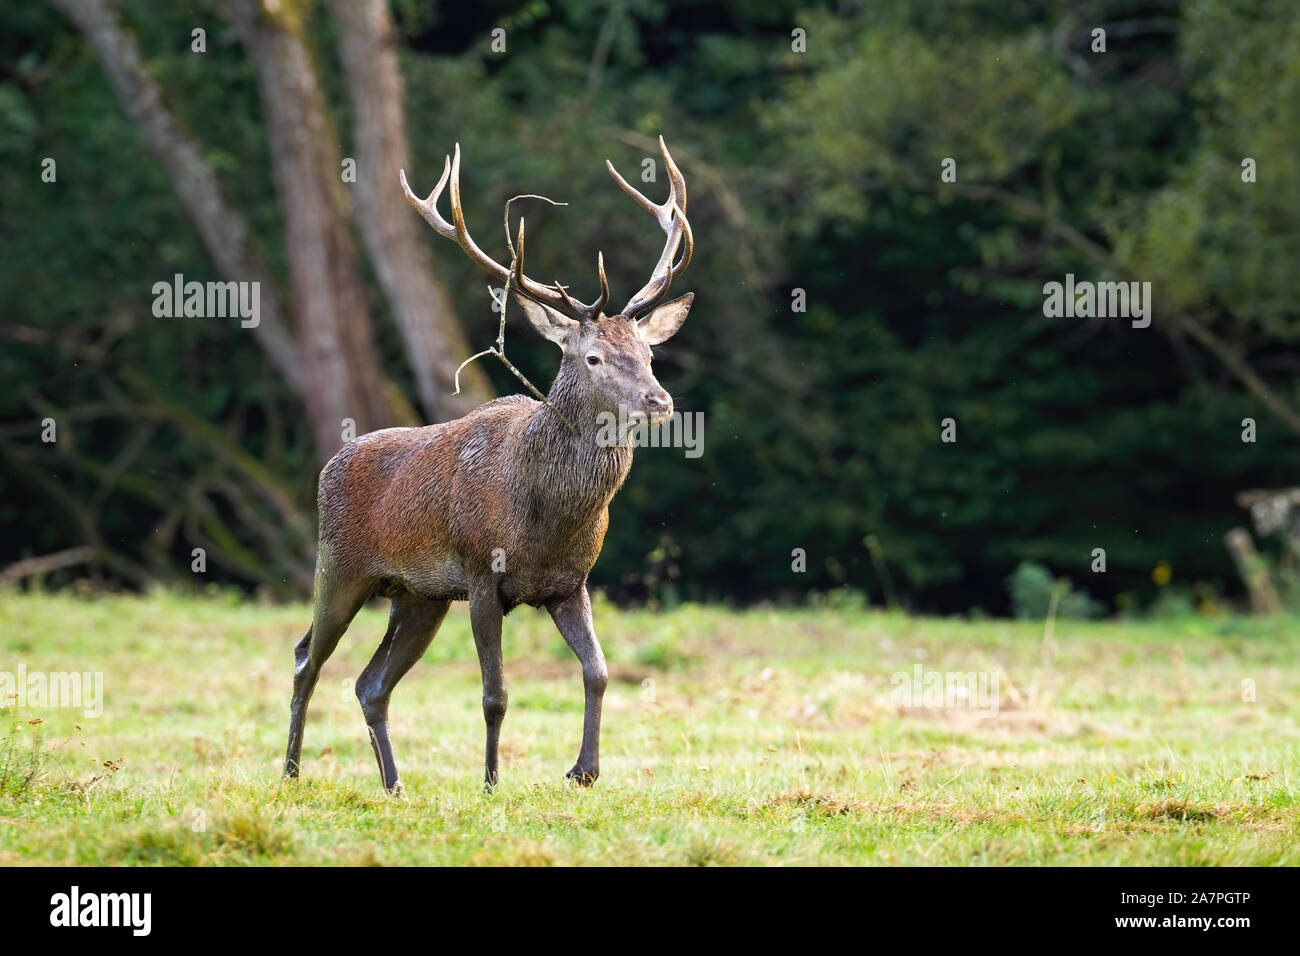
(582, 776)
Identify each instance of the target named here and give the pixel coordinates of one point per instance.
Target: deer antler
(554, 295)
(671, 216)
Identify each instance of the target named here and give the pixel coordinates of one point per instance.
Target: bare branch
(44, 564)
(499, 349)
(224, 232)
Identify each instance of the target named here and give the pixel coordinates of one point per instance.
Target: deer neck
(578, 469)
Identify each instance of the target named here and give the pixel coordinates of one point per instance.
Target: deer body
(427, 510)
(506, 506)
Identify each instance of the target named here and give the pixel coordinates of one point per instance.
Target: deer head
(606, 357)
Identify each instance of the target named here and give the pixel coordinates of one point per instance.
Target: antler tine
(454, 230)
(588, 311)
(466, 241)
(604, 283)
(458, 232)
(578, 310)
(519, 250)
(635, 193)
(428, 208)
(593, 310)
(671, 216)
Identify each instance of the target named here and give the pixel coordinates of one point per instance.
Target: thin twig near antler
(513, 276)
(499, 350)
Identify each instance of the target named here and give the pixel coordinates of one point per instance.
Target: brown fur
(423, 509)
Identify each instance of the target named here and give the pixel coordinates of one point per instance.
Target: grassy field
(760, 737)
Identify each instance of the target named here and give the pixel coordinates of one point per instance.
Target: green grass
(759, 737)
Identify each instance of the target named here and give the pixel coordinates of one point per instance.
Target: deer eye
(593, 360)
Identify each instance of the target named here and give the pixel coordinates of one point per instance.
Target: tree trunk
(435, 342)
(223, 231)
(332, 321)
(1253, 571)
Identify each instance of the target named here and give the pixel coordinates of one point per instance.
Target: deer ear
(662, 324)
(548, 323)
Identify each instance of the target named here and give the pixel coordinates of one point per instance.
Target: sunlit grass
(759, 737)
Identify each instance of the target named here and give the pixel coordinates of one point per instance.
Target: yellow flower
(1162, 573)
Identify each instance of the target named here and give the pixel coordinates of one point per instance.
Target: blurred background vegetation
(816, 170)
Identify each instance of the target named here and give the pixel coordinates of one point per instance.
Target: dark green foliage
(816, 171)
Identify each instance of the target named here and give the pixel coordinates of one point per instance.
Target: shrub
(1031, 587)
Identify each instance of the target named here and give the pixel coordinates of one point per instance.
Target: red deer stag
(503, 507)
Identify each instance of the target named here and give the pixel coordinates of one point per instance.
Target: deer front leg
(485, 619)
(572, 615)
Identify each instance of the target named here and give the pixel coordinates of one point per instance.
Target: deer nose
(658, 402)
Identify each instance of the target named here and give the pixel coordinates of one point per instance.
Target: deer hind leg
(572, 616)
(485, 618)
(412, 625)
(335, 607)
